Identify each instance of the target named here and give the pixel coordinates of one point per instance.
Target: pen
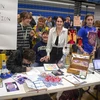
(76, 79)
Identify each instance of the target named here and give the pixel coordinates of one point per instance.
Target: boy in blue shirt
(40, 49)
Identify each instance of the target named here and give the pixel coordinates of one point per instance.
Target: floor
(86, 96)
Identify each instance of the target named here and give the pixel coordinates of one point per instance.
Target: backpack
(70, 95)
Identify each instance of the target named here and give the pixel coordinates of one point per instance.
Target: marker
(76, 79)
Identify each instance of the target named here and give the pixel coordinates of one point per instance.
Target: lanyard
(26, 33)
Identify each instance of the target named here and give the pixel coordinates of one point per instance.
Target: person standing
(57, 40)
(40, 49)
(32, 22)
(67, 23)
(38, 29)
(88, 35)
(97, 53)
(23, 31)
(49, 22)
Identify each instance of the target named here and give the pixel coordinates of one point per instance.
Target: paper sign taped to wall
(8, 24)
(77, 21)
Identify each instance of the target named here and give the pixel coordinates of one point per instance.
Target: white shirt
(62, 42)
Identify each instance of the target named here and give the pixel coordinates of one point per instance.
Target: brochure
(34, 86)
(50, 67)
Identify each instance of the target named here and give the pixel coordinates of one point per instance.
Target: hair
(97, 23)
(41, 18)
(87, 17)
(61, 18)
(29, 54)
(68, 17)
(45, 32)
(25, 15)
(49, 17)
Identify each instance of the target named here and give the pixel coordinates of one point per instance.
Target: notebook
(96, 64)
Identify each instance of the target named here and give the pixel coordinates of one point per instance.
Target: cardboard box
(78, 62)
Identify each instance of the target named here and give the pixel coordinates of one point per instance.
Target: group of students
(47, 46)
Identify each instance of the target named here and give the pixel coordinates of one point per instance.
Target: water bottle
(5, 72)
(4, 69)
(62, 61)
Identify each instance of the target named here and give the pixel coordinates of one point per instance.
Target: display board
(8, 24)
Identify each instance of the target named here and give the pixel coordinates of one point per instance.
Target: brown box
(78, 62)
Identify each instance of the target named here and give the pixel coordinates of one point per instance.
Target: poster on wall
(77, 21)
(8, 24)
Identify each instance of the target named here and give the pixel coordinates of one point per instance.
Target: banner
(8, 24)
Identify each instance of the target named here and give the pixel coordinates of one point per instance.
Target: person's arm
(36, 51)
(14, 62)
(94, 49)
(66, 41)
(13, 66)
(49, 43)
(81, 33)
(49, 46)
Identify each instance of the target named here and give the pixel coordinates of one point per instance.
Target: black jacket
(14, 62)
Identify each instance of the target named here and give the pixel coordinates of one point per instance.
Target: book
(34, 86)
(74, 80)
(80, 42)
(11, 86)
(50, 67)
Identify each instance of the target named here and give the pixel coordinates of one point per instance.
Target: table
(92, 79)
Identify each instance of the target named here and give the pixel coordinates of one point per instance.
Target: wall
(53, 8)
(97, 12)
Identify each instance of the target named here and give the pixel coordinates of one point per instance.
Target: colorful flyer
(50, 67)
(11, 86)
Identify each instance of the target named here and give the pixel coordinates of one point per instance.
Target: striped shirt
(23, 36)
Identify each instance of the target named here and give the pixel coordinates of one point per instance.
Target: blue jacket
(40, 49)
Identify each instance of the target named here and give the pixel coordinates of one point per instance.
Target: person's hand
(28, 69)
(85, 53)
(39, 33)
(42, 59)
(93, 52)
(47, 58)
(32, 33)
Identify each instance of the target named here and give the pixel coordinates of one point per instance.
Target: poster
(8, 24)
(71, 36)
(77, 21)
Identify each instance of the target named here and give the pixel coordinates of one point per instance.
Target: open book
(34, 86)
(74, 80)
